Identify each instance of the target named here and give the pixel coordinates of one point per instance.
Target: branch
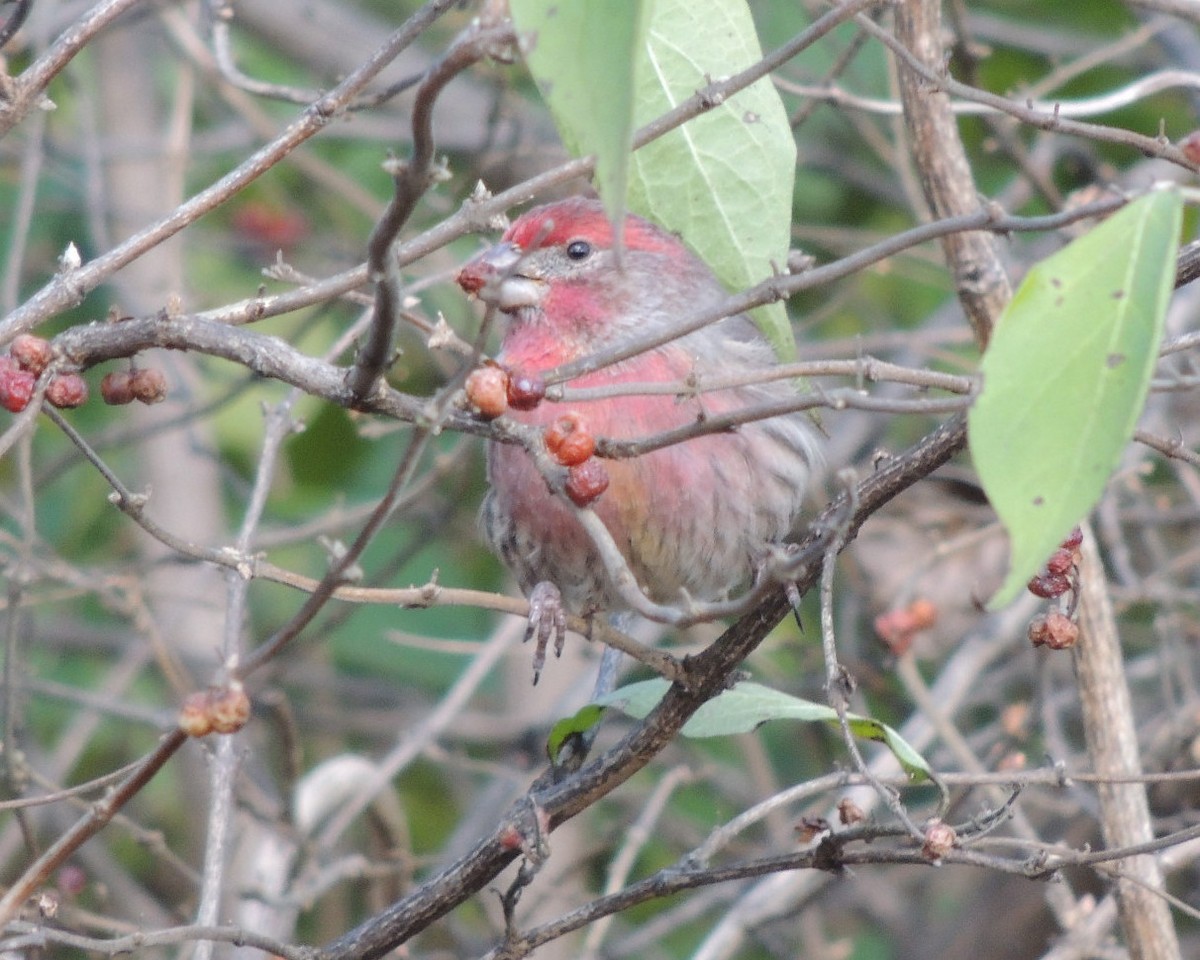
(1111, 731)
(974, 258)
(411, 180)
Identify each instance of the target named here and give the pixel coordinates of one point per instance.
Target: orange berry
(487, 389)
(569, 440)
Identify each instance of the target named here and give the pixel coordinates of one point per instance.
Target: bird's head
(556, 266)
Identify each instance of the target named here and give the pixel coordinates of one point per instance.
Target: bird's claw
(547, 621)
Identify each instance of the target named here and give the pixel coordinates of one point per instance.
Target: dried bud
(850, 812)
(195, 718)
(809, 828)
(230, 709)
(47, 903)
(940, 839)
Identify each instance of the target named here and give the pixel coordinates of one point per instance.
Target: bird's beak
(497, 276)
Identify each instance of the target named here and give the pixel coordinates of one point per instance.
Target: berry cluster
(491, 391)
(1059, 579)
(27, 358)
(1061, 571)
(143, 384)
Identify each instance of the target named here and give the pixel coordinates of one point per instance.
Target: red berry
(486, 391)
(586, 481)
(1048, 585)
(16, 386)
(67, 390)
(576, 448)
(1074, 539)
(116, 388)
(569, 440)
(32, 353)
(1061, 631)
(525, 392)
(148, 385)
(1061, 562)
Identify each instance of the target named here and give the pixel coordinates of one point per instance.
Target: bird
(693, 519)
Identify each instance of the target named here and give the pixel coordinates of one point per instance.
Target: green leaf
(1066, 375)
(583, 56)
(724, 180)
(581, 722)
(746, 706)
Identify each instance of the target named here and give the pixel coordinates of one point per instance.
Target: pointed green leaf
(1066, 375)
(724, 180)
(748, 705)
(583, 56)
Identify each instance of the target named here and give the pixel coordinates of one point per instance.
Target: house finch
(695, 516)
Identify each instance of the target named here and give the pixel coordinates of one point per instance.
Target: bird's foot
(547, 621)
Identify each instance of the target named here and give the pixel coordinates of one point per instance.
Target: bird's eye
(579, 250)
